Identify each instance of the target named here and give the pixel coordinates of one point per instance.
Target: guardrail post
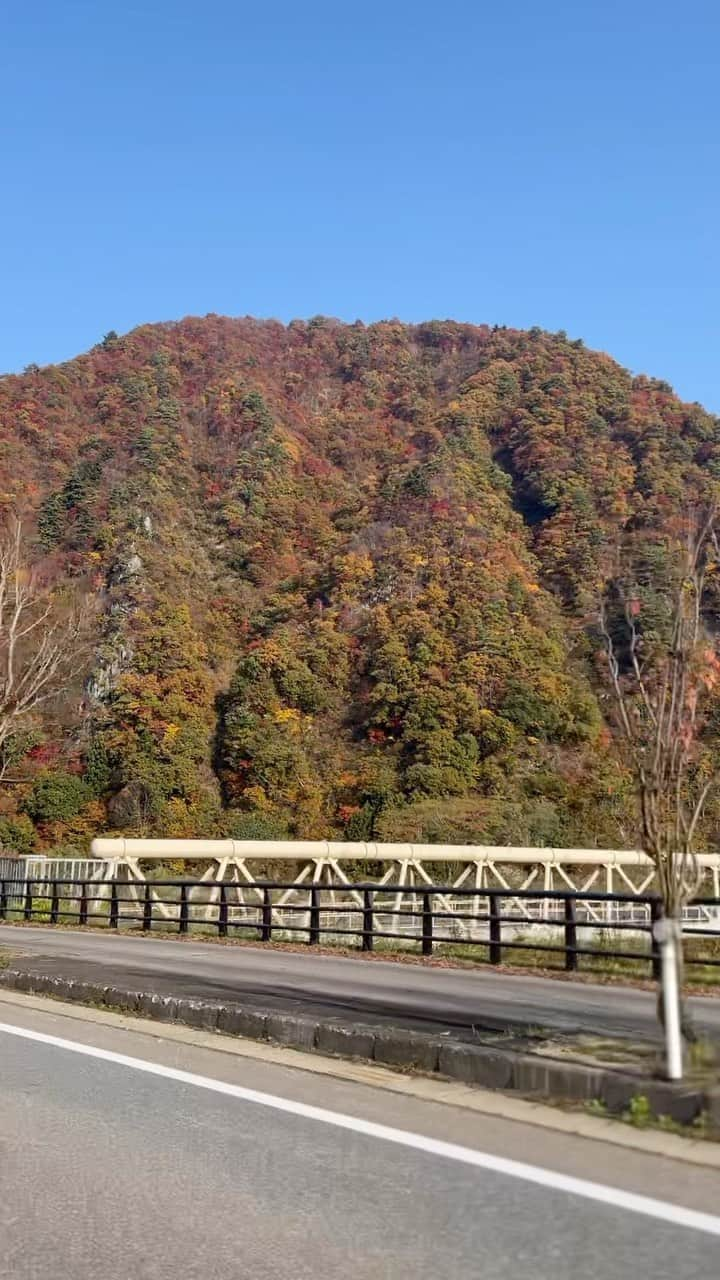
(495, 930)
(147, 908)
(656, 913)
(114, 906)
(314, 929)
(368, 925)
(427, 925)
(83, 908)
(571, 955)
(184, 915)
(266, 930)
(28, 912)
(3, 900)
(223, 913)
(54, 903)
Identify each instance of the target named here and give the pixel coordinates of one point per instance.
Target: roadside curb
(482, 1066)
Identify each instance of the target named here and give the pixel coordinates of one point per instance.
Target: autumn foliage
(345, 577)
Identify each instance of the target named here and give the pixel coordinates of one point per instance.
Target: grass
(641, 1116)
(601, 964)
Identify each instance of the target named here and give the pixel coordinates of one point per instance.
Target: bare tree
(662, 674)
(42, 639)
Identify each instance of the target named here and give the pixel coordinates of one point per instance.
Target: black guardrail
(367, 913)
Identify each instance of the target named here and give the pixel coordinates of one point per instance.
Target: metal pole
(668, 935)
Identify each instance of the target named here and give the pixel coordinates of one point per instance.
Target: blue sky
(532, 163)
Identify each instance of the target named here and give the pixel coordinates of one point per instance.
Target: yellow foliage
(177, 817)
(355, 567)
(291, 448)
(270, 654)
(289, 716)
(256, 798)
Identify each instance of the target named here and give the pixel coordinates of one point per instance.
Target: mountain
(343, 577)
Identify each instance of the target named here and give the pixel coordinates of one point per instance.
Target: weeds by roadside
(641, 1116)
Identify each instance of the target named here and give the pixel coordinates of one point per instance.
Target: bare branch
(659, 698)
(42, 648)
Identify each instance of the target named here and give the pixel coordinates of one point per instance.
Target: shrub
(17, 835)
(56, 796)
(255, 826)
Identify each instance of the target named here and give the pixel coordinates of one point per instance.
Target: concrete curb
(484, 1066)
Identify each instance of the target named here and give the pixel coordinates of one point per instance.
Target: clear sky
(538, 162)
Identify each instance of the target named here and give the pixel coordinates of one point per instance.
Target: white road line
(613, 1196)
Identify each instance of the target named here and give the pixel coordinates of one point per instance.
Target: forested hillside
(345, 578)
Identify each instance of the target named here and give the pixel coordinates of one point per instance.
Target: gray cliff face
(116, 653)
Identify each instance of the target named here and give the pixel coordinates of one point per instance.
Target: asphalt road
(108, 1171)
(368, 990)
